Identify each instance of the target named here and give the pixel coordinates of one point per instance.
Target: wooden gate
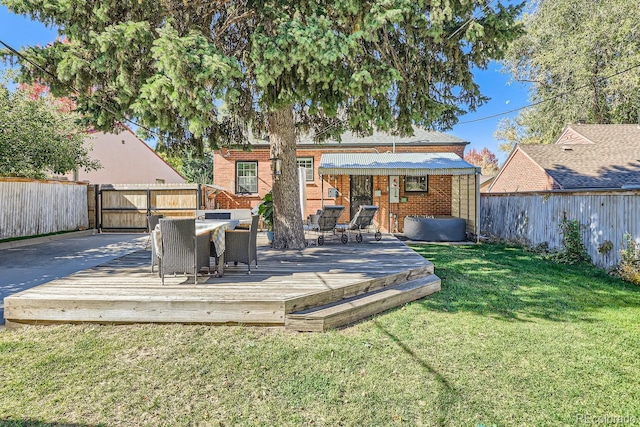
(125, 207)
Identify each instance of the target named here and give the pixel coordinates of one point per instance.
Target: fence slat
(33, 207)
(534, 218)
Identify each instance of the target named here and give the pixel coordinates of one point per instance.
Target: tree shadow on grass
(448, 395)
(509, 283)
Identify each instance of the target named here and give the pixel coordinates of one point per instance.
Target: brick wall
(520, 173)
(437, 201)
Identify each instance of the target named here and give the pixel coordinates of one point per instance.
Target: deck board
(124, 290)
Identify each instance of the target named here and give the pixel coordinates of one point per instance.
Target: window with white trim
(246, 177)
(307, 163)
(416, 184)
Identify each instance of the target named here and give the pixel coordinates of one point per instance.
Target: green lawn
(511, 339)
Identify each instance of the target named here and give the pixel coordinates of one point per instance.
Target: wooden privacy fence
(534, 218)
(125, 207)
(30, 207)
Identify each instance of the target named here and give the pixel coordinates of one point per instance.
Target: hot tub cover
(437, 229)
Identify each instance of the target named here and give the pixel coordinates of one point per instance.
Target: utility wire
(464, 24)
(17, 53)
(549, 99)
(70, 86)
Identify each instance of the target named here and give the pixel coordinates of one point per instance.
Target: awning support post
(322, 191)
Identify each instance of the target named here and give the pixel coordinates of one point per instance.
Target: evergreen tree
(280, 67)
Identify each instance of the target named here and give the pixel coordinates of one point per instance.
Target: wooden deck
(289, 288)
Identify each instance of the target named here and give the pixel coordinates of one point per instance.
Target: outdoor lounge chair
(327, 219)
(362, 220)
(152, 221)
(240, 245)
(182, 251)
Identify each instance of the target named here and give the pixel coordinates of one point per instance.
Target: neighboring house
(125, 159)
(485, 182)
(419, 175)
(585, 156)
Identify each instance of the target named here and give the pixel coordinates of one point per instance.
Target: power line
(464, 24)
(533, 104)
(19, 54)
(70, 86)
(106, 108)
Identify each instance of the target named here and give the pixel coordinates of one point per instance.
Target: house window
(159, 181)
(246, 177)
(307, 163)
(416, 183)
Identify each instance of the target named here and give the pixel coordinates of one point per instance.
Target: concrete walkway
(26, 266)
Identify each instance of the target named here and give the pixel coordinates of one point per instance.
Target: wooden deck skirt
(285, 283)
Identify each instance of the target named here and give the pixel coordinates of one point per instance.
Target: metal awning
(408, 164)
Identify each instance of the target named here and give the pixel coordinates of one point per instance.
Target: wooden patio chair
(182, 250)
(240, 245)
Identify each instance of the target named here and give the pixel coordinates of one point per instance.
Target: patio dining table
(216, 229)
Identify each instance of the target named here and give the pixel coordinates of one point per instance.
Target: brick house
(585, 156)
(419, 175)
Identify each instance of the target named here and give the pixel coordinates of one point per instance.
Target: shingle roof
(420, 137)
(609, 158)
(349, 139)
(411, 164)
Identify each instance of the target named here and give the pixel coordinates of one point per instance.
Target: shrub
(605, 247)
(629, 266)
(574, 251)
(37, 138)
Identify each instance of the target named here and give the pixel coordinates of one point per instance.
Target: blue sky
(19, 31)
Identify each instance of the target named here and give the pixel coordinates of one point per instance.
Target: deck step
(382, 281)
(350, 310)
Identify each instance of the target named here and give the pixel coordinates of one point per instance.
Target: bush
(37, 138)
(574, 251)
(629, 266)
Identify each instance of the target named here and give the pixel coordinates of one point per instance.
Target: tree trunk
(287, 218)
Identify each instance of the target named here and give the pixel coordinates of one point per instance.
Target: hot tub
(435, 229)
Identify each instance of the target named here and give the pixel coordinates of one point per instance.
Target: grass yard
(511, 339)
